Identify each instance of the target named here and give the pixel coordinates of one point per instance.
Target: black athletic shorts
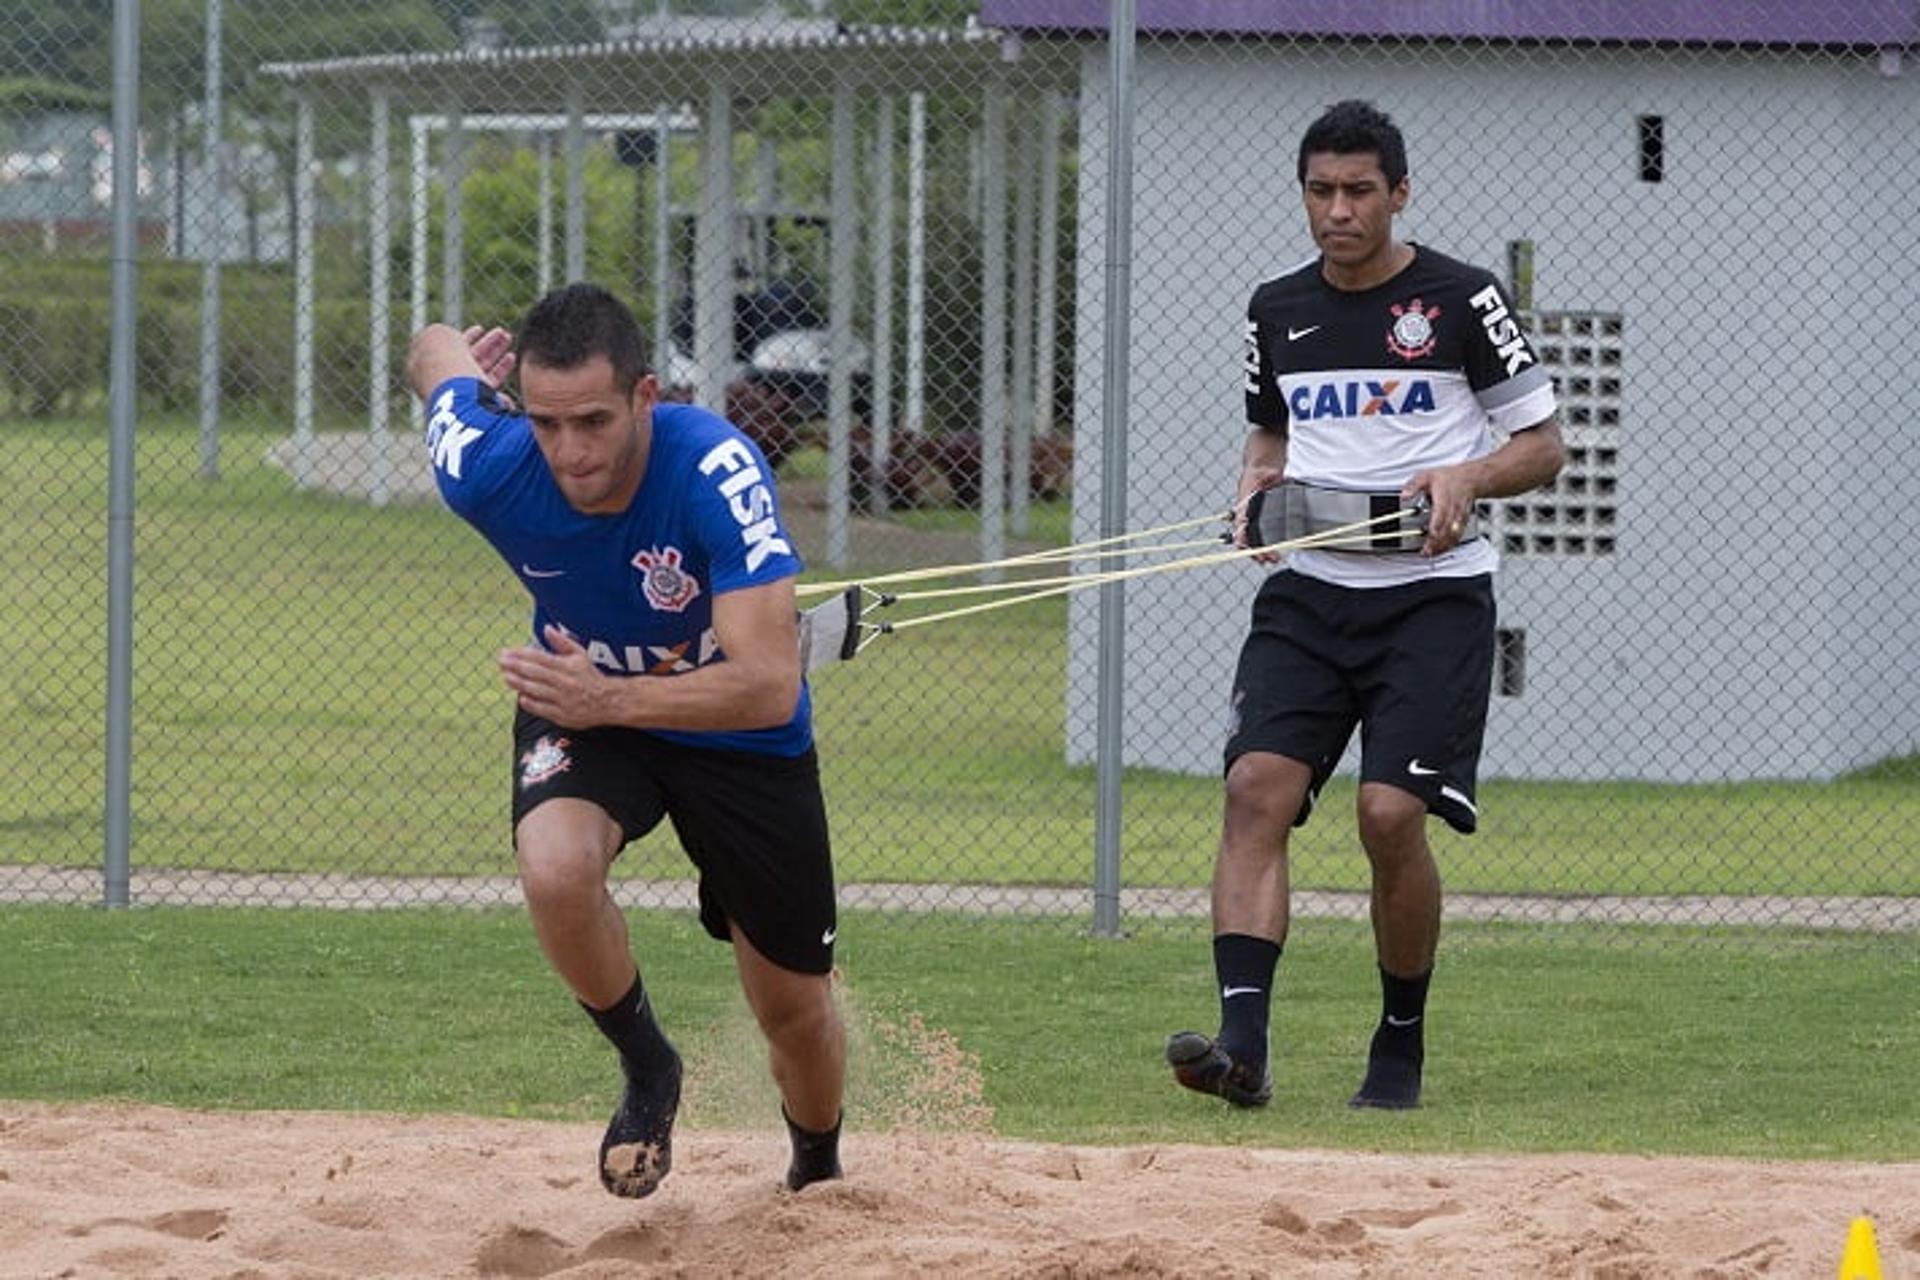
(755, 825)
(1411, 665)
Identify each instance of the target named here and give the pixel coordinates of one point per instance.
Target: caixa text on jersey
(651, 659)
(1360, 398)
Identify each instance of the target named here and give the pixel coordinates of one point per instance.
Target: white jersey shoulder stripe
(1518, 387)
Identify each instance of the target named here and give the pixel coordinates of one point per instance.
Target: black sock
(630, 1027)
(816, 1156)
(1397, 1053)
(1245, 964)
(1403, 1011)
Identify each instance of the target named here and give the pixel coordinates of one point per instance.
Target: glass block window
(1576, 515)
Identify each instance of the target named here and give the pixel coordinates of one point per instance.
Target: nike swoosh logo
(532, 572)
(1294, 335)
(826, 939)
(1419, 770)
(1402, 1022)
(1228, 993)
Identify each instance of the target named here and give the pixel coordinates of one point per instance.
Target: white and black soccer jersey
(1374, 386)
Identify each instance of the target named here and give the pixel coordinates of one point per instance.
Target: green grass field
(1024, 1032)
(314, 691)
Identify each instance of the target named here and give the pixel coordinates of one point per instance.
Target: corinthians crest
(1412, 334)
(548, 757)
(667, 586)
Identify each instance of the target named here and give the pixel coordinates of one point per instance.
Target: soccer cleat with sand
(637, 1151)
(1203, 1066)
(816, 1156)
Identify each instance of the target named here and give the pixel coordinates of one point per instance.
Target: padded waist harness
(1292, 510)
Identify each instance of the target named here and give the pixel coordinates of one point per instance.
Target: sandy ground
(121, 1190)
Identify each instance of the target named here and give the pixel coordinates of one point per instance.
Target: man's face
(593, 437)
(1350, 207)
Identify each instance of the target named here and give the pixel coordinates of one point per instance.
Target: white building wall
(1876, 433)
(1762, 285)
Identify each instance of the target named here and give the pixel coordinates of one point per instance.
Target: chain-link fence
(878, 234)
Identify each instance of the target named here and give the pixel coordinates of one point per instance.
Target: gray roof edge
(747, 38)
(1877, 23)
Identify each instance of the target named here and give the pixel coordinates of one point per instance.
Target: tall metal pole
(662, 237)
(453, 236)
(212, 242)
(1020, 428)
(543, 167)
(843, 240)
(121, 390)
(713, 250)
(914, 419)
(662, 223)
(993, 325)
(881, 252)
(1110, 759)
(575, 256)
(1046, 302)
(303, 292)
(417, 224)
(379, 291)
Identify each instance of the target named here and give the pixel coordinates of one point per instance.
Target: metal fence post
(844, 238)
(993, 324)
(126, 170)
(303, 292)
(713, 250)
(379, 308)
(213, 245)
(1113, 467)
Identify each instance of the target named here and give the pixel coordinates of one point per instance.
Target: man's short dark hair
(1353, 128)
(577, 322)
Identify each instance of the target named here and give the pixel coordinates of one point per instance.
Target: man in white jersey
(1385, 369)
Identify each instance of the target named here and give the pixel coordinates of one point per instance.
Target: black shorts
(1412, 665)
(755, 825)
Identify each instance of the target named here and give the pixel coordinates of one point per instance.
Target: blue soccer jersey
(636, 588)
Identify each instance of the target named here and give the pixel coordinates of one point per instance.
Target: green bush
(57, 351)
(57, 318)
(256, 346)
(166, 352)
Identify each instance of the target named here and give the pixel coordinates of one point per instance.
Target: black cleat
(816, 1156)
(1393, 1079)
(1203, 1066)
(638, 1149)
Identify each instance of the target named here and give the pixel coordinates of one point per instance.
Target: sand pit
(121, 1190)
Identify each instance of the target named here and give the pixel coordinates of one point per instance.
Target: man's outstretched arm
(440, 351)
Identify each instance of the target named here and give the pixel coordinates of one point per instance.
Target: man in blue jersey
(662, 680)
(1380, 375)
